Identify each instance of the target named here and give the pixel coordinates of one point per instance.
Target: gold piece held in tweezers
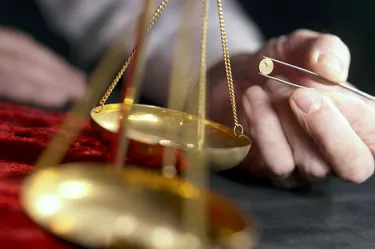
(266, 67)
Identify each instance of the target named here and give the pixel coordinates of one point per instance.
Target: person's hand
(297, 132)
(32, 74)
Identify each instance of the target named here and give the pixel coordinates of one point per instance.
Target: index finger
(325, 54)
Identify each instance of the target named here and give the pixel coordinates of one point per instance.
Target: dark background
(349, 19)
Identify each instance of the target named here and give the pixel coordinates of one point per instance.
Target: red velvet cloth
(24, 133)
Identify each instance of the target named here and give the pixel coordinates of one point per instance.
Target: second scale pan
(94, 206)
(153, 125)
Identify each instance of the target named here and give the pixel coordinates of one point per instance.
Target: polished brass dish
(225, 149)
(95, 206)
(152, 125)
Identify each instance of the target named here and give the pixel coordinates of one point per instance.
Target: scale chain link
(155, 17)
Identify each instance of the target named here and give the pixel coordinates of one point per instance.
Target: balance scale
(121, 206)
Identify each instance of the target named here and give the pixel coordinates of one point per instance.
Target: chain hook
(99, 108)
(238, 130)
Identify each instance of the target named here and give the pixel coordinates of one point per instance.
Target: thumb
(324, 54)
(334, 128)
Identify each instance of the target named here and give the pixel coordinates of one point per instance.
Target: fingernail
(308, 101)
(330, 66)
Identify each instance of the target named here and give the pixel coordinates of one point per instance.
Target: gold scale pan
(106, 206)
(225, 148)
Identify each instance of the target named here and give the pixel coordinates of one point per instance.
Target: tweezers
(266, 66)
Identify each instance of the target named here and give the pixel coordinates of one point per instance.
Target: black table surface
(332, 215)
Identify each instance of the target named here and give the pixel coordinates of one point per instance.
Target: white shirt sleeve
(90, 25)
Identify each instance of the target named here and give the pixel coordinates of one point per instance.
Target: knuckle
(300, 32)
(9, 33)
(270, 45)
(10, 39)
(268, 121)
(279, 45)
(330, 37)
(332, 40)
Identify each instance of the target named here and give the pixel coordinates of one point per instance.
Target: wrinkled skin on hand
(299, 133)
(32, 74)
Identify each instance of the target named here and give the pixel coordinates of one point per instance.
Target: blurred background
(352, 20)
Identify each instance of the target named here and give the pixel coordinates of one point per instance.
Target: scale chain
(228, 70)
(203, 75)
(194, 210)
(226, 56)
(154, 19)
